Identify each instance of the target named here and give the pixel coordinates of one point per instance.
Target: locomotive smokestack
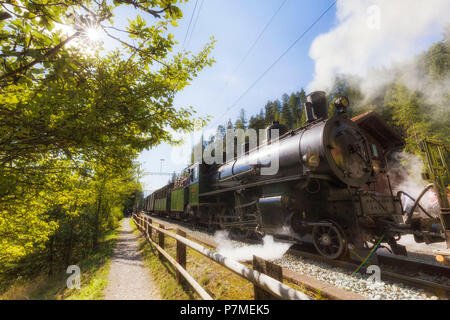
(316, 106)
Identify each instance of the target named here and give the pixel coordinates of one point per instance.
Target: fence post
(150, 230)
(146, 227)
(270, 269)
(181, 254)
(161, 241)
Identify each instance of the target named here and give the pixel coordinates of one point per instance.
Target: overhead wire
(275, 62)
(190, 23)
(252, 47)
(259, 36)
(195, 24)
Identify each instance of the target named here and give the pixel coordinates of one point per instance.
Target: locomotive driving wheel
(329, 240)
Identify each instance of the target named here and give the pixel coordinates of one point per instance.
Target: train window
(195, 173)
(375, 150)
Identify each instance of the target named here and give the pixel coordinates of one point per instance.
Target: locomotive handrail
(274, 287)
(254, 184)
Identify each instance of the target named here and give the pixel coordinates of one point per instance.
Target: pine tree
(296, 111)
(241, 122)
(230, 125)
(301, 99)
(407, 115)
(221, 131)
(257, 122)
(286, 117)
(302, 121)
(269, 114)
(276, 109)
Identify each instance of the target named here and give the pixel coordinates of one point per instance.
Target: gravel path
(128, 278)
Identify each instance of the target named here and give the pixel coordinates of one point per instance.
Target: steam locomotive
(319, 192)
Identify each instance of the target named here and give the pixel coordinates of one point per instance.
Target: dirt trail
(128, 278)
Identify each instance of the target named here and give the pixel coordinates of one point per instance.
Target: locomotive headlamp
(312, 160)
(341, 104)
(376, 166)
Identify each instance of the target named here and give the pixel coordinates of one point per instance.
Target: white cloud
(373, 34)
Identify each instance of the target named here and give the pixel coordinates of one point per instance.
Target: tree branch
(48, 54)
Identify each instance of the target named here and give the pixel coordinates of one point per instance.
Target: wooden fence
(265, 286)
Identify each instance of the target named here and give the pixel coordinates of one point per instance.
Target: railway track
(388, 263)
(394, 268)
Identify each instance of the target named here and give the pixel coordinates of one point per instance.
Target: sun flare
(93, 34)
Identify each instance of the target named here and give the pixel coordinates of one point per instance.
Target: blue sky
(236, 24)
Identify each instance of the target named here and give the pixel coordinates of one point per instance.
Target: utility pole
(160, 169)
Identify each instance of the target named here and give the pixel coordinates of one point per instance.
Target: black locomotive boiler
(307, 183)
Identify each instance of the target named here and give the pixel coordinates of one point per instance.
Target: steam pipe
(410, 213)
(419, 205)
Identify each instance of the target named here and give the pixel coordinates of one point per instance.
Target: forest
(74, 117)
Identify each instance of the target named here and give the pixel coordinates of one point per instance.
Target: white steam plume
(376, 34)
(269, 250)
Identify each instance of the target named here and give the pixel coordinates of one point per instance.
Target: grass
(218, 281)
(94, 276)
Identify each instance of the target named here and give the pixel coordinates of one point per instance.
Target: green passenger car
(151, 203)
(194, 186)
(179, 199)
(162, 199)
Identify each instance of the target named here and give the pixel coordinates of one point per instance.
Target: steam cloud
(269, 250)
(371, 36)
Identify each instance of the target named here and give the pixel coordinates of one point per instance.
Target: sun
(93, 34)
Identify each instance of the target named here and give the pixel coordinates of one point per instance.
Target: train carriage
(161, 201)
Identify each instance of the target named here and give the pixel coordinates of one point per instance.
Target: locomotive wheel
(329, 241)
